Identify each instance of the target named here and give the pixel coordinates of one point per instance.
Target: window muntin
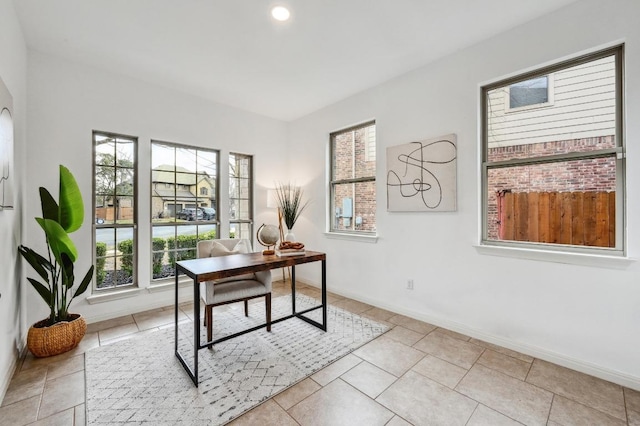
(240, 196)
(115, 211)
(353, 175)
(553, 177)
(183, 184)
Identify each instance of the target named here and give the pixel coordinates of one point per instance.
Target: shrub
(184, 246)
(101, 251)
(126, 248)
(211, 235)
(158, 245)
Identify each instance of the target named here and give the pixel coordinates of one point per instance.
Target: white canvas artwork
(421, 176)
(6, 148)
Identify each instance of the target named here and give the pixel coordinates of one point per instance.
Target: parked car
(208, 213)
(189, 214)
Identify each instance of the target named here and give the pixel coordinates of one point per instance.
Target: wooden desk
(213, 268)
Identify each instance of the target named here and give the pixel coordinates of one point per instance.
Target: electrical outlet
(409, 284)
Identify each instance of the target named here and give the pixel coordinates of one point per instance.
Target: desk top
(214, 268)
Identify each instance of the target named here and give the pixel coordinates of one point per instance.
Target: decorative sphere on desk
(268, 236)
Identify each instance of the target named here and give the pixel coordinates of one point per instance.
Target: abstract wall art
(6, 148)
(421, 176)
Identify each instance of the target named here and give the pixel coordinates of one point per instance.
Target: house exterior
(174, 190)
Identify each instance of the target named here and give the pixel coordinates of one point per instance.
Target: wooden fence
(575, 218)
(108, 213)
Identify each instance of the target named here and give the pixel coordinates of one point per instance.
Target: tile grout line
(465, 375)
(572, 399)
(44, 386)
(553, 400)
(480, 403)
(367, 396)
(624, 404)
(529, 371)
(474, 411)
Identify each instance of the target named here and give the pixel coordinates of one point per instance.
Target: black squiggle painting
(421, 176)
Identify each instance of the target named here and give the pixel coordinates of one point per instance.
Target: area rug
(140, 381)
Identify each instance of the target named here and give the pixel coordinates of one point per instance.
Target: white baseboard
(614, 376)
(6, 378)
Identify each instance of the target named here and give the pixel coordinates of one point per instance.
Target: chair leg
(246, 308)
(267, 302)
(208, 319)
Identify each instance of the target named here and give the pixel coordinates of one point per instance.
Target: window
(531, 92)
(353, 180)
(183, 203)
(240, 196)
(553, 178)
(114, 189)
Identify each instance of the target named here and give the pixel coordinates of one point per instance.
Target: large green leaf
(37, 262)
(71, 205)
(50, 209)
(67, 271)
(85, 283)
(58, 239)
(42, 290)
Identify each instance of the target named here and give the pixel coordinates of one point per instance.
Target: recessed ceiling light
(280, 13)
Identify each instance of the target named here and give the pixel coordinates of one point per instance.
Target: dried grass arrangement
(291, 203)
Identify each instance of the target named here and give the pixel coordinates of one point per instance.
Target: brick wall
(597, 174)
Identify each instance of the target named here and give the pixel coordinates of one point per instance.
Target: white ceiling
(232, 52)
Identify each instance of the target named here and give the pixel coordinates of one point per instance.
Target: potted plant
(291, 206)
(61, 331)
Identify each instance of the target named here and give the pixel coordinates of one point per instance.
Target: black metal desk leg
(193, 374)
(293, 289)
(324, 295)
(196, 328)
(176, 318)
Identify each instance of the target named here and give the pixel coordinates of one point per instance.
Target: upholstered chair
(240, 288)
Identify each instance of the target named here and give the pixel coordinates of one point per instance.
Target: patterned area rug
(140, 381)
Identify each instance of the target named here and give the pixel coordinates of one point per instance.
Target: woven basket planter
(52, 340)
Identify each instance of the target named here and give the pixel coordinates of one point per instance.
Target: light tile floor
(416, 374)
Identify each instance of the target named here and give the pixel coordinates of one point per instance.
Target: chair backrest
(204, 247)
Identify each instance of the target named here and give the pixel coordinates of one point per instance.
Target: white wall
(67, 101)
(13, 70)
(586, 317)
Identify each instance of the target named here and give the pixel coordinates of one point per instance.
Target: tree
(114, 179)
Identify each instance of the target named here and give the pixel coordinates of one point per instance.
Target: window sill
(353, 237)
(109, 296)
(584, 259)
(169, 284)
(112, 295)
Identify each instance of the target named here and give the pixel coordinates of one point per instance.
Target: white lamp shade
(272, 199)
